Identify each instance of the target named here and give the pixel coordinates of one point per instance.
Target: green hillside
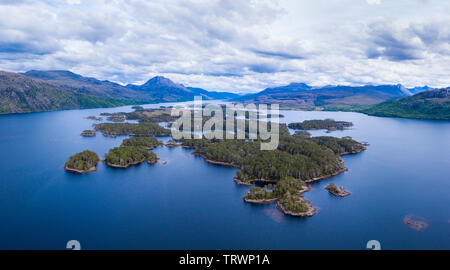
(434, 104)
(20, 94)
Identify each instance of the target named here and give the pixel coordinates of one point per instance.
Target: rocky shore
(93, 169)
(312, 210)
(242, 183)
(262, 201)
(326, 176)
(152, 162)
(337, 191)
(124, 166)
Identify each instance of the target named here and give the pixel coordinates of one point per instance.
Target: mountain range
(37, 90)
(164, 89)
(303, 96)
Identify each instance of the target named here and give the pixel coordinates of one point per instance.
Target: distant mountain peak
(299, 84)
(162, 81)
(404, 89)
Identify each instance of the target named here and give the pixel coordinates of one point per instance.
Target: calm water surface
(190, 204)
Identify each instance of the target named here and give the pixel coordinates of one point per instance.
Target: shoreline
(153, 162)
(124, 166)
(212, 161)
(261, 201)
(311, 211)
(353, 152)
(93, 169)
(131, 164)
(326, 176)
(241, 183)
(342, 192)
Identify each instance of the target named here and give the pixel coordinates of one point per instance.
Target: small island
(299, 159)
(95, 118)
(126, 156)
(132, 129)
(288, 192)
(296, 206)
(116, 118)
(328, 124)
(283, 173)
(88, 133)
(337, 191)
(83, 162)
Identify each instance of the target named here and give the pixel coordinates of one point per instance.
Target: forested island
(146, 142)
(82, 162)
(302, 158)
(172, 143)
(296, 161)
(95, 118)
(132, 129)
(328, 124)
(337, 191)
(88, 133)
(287, 193)
(284, 172)
(126, 156)
(151, 115)
(114, 118)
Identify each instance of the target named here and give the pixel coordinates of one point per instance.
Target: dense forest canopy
(126, 156)
(134, 129)
(147, 142)
(82, 161)
(297, 157)
(328, 124)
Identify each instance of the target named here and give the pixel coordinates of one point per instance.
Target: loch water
(185, 203)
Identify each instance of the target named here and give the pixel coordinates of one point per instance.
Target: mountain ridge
(303, 96)
(21, 94)
(160, 85)
(156, 89)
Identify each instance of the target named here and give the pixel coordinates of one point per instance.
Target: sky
(232, 45)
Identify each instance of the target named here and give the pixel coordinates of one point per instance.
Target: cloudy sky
(232, 45)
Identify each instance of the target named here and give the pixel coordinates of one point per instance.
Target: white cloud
(373, 2)
(231, 45)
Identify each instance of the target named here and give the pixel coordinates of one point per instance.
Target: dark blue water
(189, 204)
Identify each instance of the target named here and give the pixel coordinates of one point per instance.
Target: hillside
(20, 94)
(86, 85)
(157, 89)
(433, 104)
(300, 95)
